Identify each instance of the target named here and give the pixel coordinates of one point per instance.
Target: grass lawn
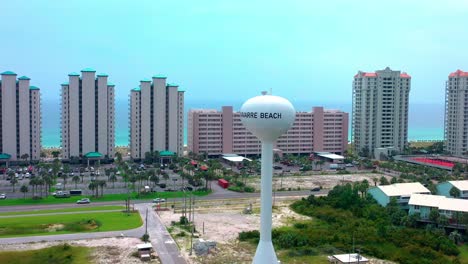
(68, 223)
(105, 198)
(61, 254)
(320, 259)
(463, 254)
(74, 209)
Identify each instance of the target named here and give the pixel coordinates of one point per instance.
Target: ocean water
(426, 121)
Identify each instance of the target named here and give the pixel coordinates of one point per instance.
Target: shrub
(249, 235)
(145, 238)
(183, 220)
(249, 189)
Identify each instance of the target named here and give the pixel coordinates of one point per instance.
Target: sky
(217, 50)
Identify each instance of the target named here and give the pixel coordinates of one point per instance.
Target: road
(161, 240)
(216, 195)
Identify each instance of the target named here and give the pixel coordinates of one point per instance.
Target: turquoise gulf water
(426, 121)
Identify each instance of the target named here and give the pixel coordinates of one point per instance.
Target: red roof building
(458, 73)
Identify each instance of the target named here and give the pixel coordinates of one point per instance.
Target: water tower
(267, 117)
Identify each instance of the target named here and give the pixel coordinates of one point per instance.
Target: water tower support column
(265, 252)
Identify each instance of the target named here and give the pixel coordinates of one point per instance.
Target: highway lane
(217, 195)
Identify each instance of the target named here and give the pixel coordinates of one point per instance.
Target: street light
(267, 117)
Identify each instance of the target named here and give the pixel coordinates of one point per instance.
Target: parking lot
(174, 182)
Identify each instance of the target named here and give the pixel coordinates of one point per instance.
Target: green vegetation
(74, 209)
(68, 223)
(463, 254)
(105, 198)
(61, 254)
(418, 173)
(238, 186)
(344, 218)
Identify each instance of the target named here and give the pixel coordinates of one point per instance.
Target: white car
(159, 200)
(2, 196)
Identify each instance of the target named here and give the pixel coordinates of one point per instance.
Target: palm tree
(165, 177)
(48, 180)
(64, 177)
(107, 172)
(118, 156)
(102, 184)
(113, 179)
(24, 189)
(76, 179)
(133, 179)
(32, 182)
(92, 186)
(40, 182)
(154, 179)
(13, 181)
(81, 174)
(24, 157)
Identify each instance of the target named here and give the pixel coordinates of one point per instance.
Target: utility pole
(193, 224)
(146, 223)
(190, 206)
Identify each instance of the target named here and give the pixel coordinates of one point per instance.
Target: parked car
(277, 167)
(2, 196)
(315, 189)
(83, 201)
(159, 200)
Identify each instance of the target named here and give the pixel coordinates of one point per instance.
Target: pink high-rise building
(216, 132)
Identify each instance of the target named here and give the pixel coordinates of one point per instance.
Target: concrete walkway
(162, 242)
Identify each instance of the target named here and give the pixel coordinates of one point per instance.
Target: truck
(336, 166)
(223, 183)
(62, 194)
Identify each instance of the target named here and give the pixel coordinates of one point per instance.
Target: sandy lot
(222, 221)
(105, 250)
(311, 181)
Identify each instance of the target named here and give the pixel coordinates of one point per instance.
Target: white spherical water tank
(267, 116)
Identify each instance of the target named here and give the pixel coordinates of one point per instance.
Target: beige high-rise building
(380, 110)
(456, 123)
(88, 115)
(20, 118)
(156, 117)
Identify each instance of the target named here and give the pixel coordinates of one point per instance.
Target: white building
(88, 115)
(156, 117)
(422, 204)
(444, 188)
(20, 117)
(400, 191)
(380, 110)
(456, 117)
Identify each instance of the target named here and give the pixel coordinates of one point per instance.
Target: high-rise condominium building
(380, 110)
(216, 132)
(456, 115)
(20, 118)
(88, 115)
(156, 117)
